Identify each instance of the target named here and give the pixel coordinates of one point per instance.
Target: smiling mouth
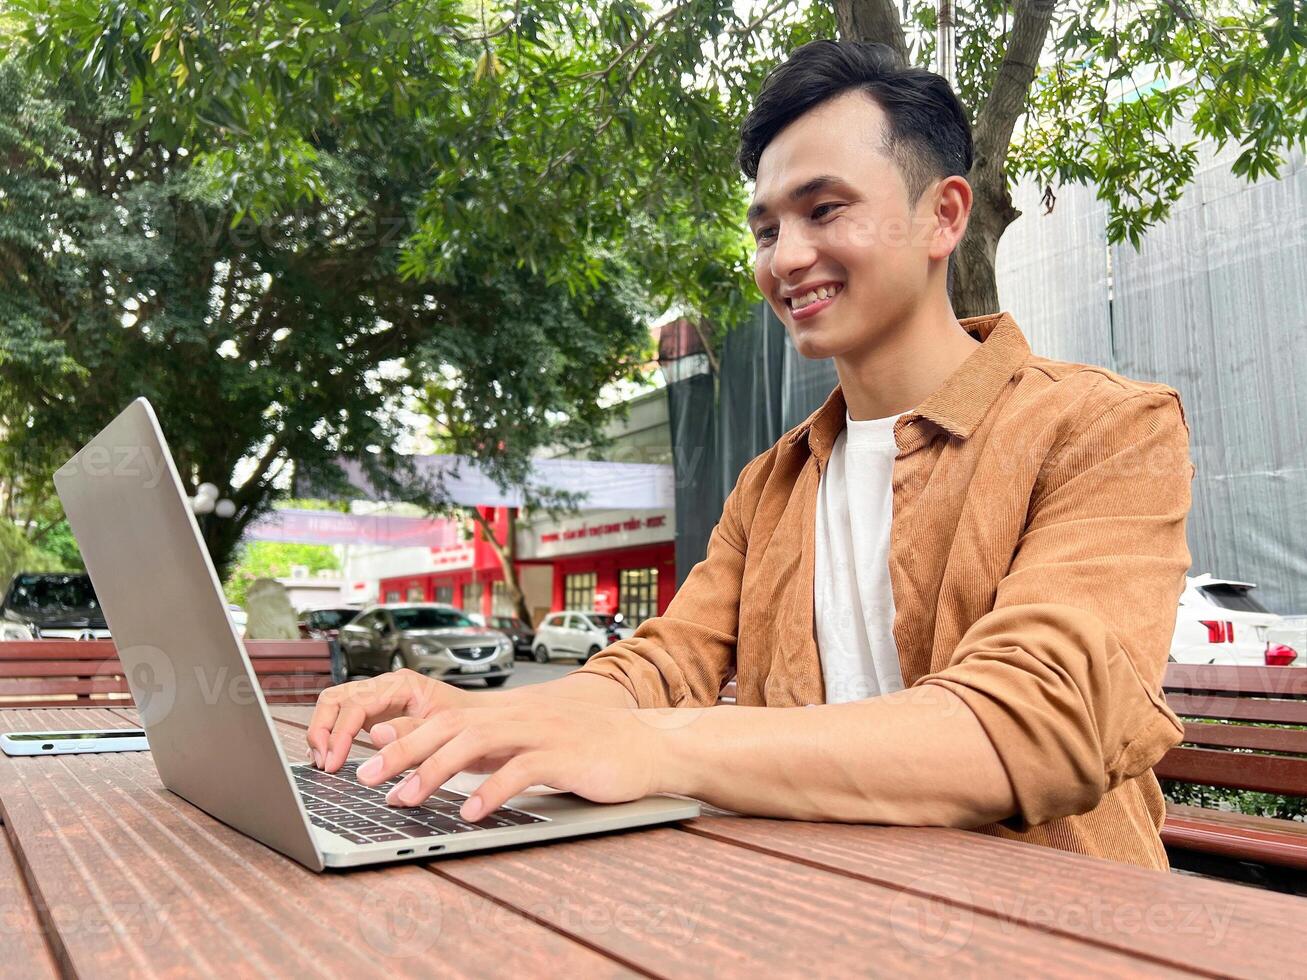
(798, 303)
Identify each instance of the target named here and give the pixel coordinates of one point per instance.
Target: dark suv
(523, 636)
(325, 624)
(55, 605)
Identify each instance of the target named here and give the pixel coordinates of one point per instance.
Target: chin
(816, 344)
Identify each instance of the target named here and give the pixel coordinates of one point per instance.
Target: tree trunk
(506, 553)
(975, 287)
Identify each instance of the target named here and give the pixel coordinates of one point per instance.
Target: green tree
(272, 341)
(274, 559)
(609, 123)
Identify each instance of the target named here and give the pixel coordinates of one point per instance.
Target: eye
(821, 210)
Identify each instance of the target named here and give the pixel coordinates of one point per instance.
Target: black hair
(929, 134)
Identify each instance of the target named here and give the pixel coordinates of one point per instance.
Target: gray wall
(1215, 304)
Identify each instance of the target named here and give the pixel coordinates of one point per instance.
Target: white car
(577, 634)
(1220, 621)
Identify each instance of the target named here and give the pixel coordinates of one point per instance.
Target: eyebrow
(805, 189)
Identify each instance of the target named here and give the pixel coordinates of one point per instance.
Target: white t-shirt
(852, 601)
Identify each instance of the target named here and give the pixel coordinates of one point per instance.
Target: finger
(457, 754)
(383, 733)
(324, 716)
(513, 777)
(375, 700)
(411, 750)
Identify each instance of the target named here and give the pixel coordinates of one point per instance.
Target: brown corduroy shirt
(1037, 555)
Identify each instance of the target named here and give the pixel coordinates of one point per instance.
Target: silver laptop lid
(200, 704)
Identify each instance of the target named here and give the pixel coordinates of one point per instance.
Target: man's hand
(607, 755)
(344, 710)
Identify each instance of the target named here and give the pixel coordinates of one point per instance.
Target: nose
(792, 253)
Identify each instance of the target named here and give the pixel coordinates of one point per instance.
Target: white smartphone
(65, 743)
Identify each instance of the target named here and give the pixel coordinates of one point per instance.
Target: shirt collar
(957, 406)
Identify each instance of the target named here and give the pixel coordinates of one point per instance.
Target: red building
(604, 561)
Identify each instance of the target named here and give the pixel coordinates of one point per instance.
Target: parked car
(523, 636)
(238, 616)
(577, 634)
(325, 624)
(1221, 621)
(54, 605)
(433, 639)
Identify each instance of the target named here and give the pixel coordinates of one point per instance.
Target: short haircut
(929, 134)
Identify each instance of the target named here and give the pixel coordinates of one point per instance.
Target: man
(947, 597)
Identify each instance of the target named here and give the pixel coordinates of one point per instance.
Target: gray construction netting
(1214, 304)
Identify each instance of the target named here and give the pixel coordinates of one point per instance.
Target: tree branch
(871, 20)
(1007, 97)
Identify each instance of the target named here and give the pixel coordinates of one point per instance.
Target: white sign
(596, 531)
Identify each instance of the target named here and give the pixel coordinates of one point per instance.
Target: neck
(901, 369)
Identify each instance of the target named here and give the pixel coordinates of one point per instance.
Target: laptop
(203, 712)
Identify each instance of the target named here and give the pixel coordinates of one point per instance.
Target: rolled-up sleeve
(1064, 674)
(682, 658)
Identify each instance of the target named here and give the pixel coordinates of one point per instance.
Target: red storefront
(602, 561)
(465, 572)
(607, 561)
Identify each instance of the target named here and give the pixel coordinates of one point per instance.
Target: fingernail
(382, 734)
(472, 808)
(393, 796)
(371, 769)
(317, 759)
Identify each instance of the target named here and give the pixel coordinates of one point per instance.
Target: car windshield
(53, 594)
(1237, 597)
(428, 619)
(331, 619)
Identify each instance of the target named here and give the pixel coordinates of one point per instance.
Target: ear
(951, 199)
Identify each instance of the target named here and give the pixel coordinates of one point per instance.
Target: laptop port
(407, 850)
(435, 847)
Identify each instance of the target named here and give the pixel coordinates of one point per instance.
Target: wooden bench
(1234, 739)
(87, 673)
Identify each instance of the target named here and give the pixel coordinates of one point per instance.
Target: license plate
(476, 668)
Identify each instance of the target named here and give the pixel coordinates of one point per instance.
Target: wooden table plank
(1185, 921)
(26, 952)
(949, 879)
(698, 907)
(174, 890)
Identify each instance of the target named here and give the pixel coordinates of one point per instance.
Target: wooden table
(105, 873)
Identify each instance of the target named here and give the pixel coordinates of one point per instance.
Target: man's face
(853, 237)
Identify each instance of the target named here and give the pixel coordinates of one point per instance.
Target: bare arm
(914, 757)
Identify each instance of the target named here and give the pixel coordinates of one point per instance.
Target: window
(472, 593)
(637, 594)
(428, 618)
(1237, 597)
(555, 620)
(503, 601)
(392, 595)
(416, 593)
(579, 591)
(445, 594)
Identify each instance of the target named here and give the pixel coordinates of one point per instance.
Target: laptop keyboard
(340, 803)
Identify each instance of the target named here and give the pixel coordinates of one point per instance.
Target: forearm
(917, 757)
(592, 688)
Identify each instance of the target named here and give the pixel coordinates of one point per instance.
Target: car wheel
(496, 681)
(396, 662)
(593, 650)
(542, 654)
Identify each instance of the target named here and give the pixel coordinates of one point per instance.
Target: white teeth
(820, 293)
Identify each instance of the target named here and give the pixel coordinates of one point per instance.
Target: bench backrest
(81, 673)
(1220, 748)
